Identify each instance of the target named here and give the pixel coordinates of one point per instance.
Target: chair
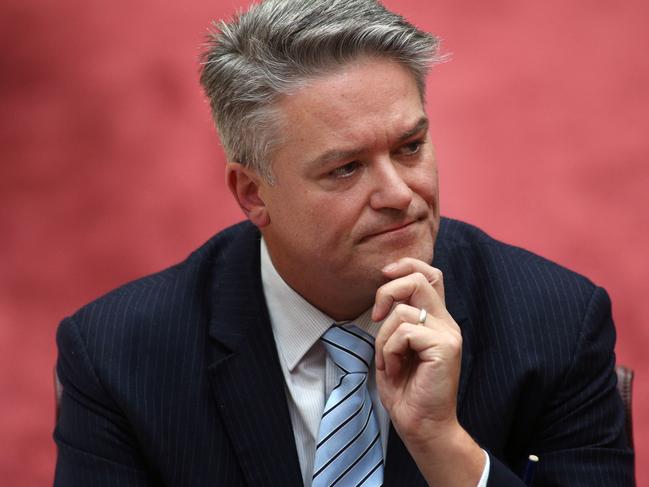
(625, 388)
(58, 392)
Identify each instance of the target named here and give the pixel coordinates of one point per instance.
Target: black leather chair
(625, 387)
(58, 392)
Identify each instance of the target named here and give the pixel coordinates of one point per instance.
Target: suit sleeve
(95, 444)
(580, 436)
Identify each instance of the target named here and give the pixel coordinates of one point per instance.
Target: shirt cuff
(485, 472)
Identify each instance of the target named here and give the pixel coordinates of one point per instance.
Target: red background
(110, 168)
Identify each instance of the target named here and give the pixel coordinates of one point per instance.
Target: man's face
(355, 184)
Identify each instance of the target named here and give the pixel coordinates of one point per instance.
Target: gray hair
(276, 46)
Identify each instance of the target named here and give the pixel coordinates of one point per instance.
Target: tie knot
(349, 347)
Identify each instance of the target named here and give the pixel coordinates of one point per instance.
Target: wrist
(450, 457)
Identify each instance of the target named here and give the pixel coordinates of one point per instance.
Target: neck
(335, 297)
(327, 296)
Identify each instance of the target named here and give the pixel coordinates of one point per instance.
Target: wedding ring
(422, 316)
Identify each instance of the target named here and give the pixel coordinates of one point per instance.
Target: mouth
(394, 229)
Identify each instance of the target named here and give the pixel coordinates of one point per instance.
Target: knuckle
(388, 345)
(404, 261)
(438, 275)
(455, 342)
(420, 277)
(381, 293)
(401, 309)
(402, 332)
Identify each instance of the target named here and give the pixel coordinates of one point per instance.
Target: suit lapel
(457, 308)
(400, 468)
(449, 258)
(244, 369)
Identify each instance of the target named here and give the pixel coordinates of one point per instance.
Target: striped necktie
(349, 450)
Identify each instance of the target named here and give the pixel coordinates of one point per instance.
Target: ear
(244, 183)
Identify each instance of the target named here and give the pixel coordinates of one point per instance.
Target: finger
(404, 313)
(410, 338)
(410, 265)
(413, 289)
(401, 313)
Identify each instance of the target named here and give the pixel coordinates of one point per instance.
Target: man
(316, 344)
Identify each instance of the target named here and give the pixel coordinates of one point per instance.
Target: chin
(421, 250)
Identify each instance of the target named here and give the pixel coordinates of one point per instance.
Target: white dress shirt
(309, 372)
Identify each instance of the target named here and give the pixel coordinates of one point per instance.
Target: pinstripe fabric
(153, 373)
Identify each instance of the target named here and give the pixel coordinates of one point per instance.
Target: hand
(418, 370)
(418, 367)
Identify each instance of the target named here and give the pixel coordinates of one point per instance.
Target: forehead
(369, 103)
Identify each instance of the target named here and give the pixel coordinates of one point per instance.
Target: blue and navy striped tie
(349, 448)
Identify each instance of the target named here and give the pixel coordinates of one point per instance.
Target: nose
(390, 188)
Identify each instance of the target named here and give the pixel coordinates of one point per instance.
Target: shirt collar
(297, 324)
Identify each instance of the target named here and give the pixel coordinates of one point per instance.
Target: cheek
(425, 185)
(427, 181)
(335, 216)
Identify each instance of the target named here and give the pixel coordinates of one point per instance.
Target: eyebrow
(338, 155)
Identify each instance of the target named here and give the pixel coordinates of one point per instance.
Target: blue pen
(528, 475)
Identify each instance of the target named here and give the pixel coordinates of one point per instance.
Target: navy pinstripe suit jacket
(174, 379)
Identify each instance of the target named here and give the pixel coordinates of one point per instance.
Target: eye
(411, 148)
(346, 170)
